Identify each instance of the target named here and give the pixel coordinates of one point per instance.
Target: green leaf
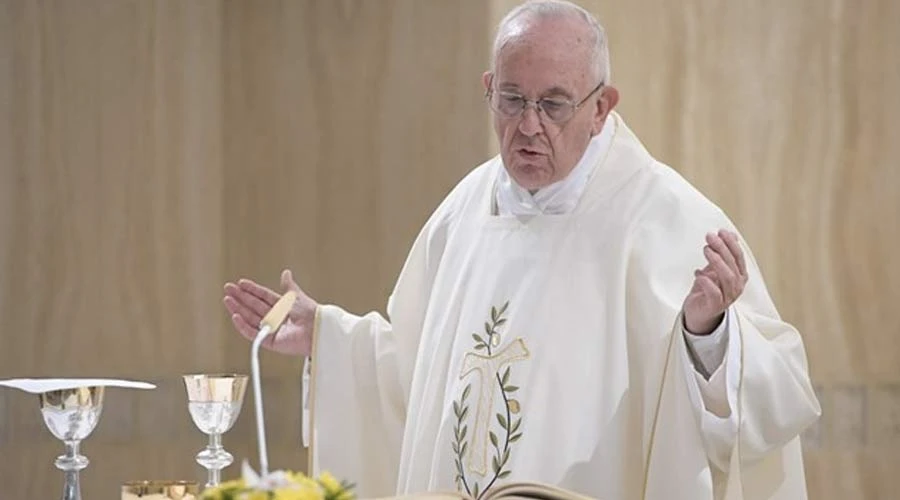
(502, 420)
(495, 464)
(480, 346)
(475, 491)
(487, 328)
(511, 388)
(455, 448)
(505, 456)
(464, 413)
(516, 425)
(493, 314)
(515, 437)
(500, 322)
(478, 338)
(494, 439)
(456, 409)
(505, 377)
(504, 474)
(466, 391)
(464, 449)
(503, 309)
(462, 435)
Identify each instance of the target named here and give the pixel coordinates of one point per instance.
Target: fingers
(243, 328)
(246, 300)
(247, 315)
(716, 242)
(709, 274)
(266, 295)
(287, 281)
(731, 241)
(726, 277)
(709, 287)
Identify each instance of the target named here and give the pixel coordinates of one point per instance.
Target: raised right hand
(248, 302)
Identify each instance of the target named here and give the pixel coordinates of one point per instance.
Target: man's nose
(530, 124)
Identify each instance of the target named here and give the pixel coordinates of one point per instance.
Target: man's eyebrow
(555, 91)
(558, 91)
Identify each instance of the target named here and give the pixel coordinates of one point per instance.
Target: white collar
(559, 197)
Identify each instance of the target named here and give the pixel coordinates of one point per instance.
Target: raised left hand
(717, 285)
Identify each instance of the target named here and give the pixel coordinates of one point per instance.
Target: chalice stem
(214, 458)
(71, 463)
(72, 486)
(214, 477)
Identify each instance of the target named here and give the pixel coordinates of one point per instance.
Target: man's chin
(530, 177)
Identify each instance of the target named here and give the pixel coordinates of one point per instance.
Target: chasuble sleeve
(769, 394)
(360, 377)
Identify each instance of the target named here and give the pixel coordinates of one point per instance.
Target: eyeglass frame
(489, 92)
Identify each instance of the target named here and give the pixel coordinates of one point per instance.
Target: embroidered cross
(488, 368)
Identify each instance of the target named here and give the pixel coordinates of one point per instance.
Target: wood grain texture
(114, 146)
(151, 150)
(111, 239)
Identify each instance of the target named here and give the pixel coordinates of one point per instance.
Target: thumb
(287, 281)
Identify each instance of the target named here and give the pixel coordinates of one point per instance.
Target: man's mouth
(530, 152)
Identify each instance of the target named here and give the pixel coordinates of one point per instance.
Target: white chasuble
(548, 348)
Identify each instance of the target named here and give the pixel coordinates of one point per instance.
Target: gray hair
(543, 9)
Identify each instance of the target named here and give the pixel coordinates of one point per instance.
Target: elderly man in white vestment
(573, 313)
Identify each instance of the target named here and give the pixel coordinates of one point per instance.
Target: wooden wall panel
(112, 230)
(151, 150)
(114, 151)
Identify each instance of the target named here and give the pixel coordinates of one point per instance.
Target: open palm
(248, 302)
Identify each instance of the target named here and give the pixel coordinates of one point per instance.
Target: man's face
(547, 59)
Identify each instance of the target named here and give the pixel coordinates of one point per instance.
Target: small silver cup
(71, 415)
(214, 402)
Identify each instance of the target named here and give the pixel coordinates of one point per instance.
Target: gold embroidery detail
(488, 366)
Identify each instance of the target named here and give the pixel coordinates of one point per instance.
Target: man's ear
(609, 97)
(486, 79)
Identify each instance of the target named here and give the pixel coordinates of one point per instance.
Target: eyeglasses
(511, 105)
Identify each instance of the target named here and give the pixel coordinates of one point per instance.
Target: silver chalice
(71, 415)
(214, 402)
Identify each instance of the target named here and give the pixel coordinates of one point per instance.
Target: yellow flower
(212, 494)
(218, 492)
(297, 487)
(334, 490)
(331, 484)
(298, 494)
(304, 481)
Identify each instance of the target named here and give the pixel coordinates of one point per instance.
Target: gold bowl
(160, 490)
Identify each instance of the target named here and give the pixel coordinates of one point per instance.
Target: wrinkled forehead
(538, 56)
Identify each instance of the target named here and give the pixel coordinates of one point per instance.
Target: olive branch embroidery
(509, 424)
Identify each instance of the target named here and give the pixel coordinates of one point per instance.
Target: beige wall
(150, 150)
